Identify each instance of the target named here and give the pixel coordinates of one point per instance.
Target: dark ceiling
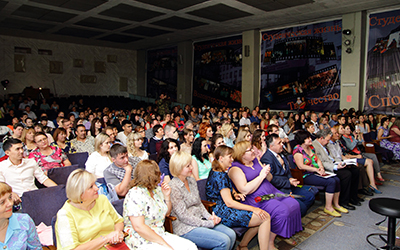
(143, 24)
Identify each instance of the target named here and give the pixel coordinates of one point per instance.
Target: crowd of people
(153, 157)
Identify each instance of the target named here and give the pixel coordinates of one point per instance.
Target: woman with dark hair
(187, 138)
(258, 143)
(200, 162)
(168, 148)
(306, 160)
(384, 137)
(145, 207)
(264, 121)
(372, 122)
(228, 207)
(60, 140)
(363, 126)
(105, 121)
(95, 127)
(216, 140)
(395, 131)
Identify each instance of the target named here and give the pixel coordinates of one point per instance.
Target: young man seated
(20, 172)
(120, 172)
(156, 140)
(127, 129)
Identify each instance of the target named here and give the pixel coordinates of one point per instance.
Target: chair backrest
(60, 175)
(78, 158)
(201, 186)
(43, 204)
(119, 206)
(291, 162)
(368, 137)
(153, 157)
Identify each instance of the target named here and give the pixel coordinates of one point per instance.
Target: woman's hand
(165, 189)
(115, 237)
(264, 171)
(321, 171)
(215, 219)
(239, 197)
(261, 213)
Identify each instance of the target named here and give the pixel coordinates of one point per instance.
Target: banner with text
(162, 72)
(217, 75)
(300, 67)
(383, 64)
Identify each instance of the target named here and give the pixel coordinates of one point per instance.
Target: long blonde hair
(130, 143)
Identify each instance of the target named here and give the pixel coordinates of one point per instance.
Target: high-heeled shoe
(380, 179)
(376, 191)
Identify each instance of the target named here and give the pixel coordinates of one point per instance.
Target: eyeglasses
(249, 150)
(41, 140)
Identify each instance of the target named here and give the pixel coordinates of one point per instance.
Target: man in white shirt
(19, 172)
(244, 120)
(127, 129)
(314, 119)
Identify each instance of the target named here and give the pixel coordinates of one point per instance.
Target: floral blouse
(47, 162)
(311, 161)
(69, 147)
(138, 202)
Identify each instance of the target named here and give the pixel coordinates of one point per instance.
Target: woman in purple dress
(252, 179)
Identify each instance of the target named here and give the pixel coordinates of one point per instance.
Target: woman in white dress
(100, 159)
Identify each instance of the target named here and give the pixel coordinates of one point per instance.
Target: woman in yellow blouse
(87, 220)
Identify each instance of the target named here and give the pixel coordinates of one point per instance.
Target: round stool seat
(385, 206)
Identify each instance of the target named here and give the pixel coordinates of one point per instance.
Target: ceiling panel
(271, 5)
(101, 23)
(81, 5)
(178, 23)
(220, 13)
(147, 31)
(77, 32)
(12, 23)
(173, 5)
(119, 38)
(30, 11)
(57, 3)
(2, 4)
(128, 12)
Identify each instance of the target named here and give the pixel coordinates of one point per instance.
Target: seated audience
(227, 131)
(95, 127)
(145, 208)
(309, 126)
(188, 138)
(200, 162)
(205, 131)
(19, 172)
(28, 140)
(168, 148)
(60, 140)
(350, 142)
(156, 141)
(282, 178)
(127, 129)
(18, 128)
(19, 231)
(145, 141)
(120, 172)
(171, 131)
(233, 213)
(216, 140)
(47, 156)
(134, 143)
(252, 179)
(82, 142)
(109, 130)
(306, 159)
(39, 128)
(193, 220)
(385, 137)
(363, 126)
(258, 143)
(100, 159)
(348, 175)
(87, 220)
(243, 135)
(395, 131)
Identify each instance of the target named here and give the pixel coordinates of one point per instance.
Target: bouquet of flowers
(267, 197)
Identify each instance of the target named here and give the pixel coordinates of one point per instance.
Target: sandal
(239, 247)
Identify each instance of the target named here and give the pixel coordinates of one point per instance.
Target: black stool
(391, 208)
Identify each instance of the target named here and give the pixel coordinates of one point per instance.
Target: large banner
(217, 76)
(300, 67)
(162, 72)
(383, 64)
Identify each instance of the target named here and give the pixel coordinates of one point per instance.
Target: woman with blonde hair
(100, 159)
(252, 178)
(244, 135)
(193, 221)
(28, 140)
(133, 144)
(145, 207)
(232, 212)
(226, 131)
(87, 220)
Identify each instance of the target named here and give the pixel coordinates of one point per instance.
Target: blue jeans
(219, 238)
(304, 202)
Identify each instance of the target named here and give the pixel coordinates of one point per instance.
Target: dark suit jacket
(280, 175)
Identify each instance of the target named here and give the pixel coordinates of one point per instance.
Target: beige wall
(68, 83)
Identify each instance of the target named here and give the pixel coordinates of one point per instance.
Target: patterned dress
(47, 162)
(229, 216)
(392, 146)
(69, 147)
